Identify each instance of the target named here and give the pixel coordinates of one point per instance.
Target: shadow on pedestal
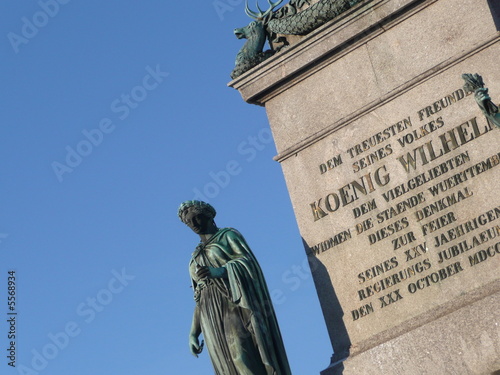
(495, 11)
(332, 312)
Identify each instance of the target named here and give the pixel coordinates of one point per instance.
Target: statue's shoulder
(231, 233)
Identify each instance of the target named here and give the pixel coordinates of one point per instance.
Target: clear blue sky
(113, 113)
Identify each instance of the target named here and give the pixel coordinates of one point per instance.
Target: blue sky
(113, 113)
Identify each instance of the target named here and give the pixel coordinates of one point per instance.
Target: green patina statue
(298, 17)
(233, 308)
(256, 34)
(474, 83)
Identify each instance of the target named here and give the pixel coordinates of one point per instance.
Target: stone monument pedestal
(393, 174)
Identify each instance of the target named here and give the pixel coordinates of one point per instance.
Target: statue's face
(198, 222)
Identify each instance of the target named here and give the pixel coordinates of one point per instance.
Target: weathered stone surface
(466, 341)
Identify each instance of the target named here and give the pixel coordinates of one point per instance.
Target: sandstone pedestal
(393, 173)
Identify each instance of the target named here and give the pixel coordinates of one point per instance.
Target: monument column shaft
(391, 167)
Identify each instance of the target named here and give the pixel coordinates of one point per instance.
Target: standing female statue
(233, 307)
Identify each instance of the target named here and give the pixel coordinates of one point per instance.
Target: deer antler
(261, 15)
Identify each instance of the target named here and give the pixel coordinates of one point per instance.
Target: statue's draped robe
(236, 314)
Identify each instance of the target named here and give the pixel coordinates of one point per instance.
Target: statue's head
(253, 28)
(197, 215)
(261, 18)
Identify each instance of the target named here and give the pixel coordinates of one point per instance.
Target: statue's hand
(205, 272)
(487, 106)
(194, 345)
(481, 95)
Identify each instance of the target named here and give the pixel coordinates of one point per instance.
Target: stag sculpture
(298, 17)
(252, 54)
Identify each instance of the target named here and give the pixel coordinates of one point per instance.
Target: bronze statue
(233, 308)
(474, 83)
(298, 17)
(252, 54)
